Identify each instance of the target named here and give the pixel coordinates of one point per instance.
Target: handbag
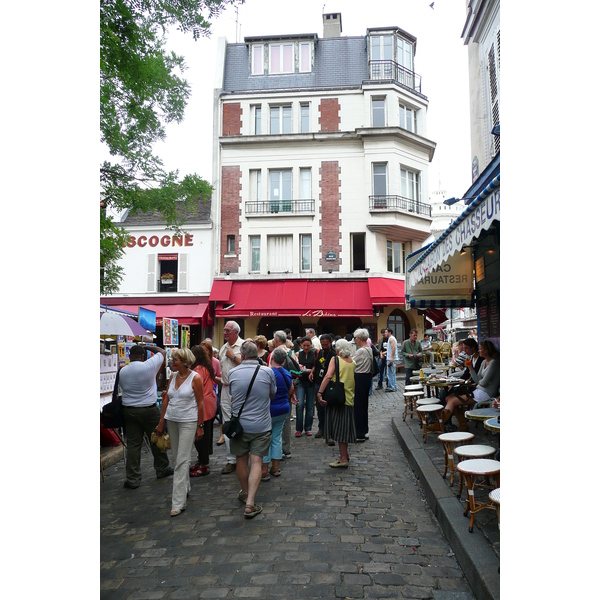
(111, 416)
(233, 428)
(375, 365)
(162, 442)
(334, 394)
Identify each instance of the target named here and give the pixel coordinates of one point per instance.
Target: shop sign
(165, 241)
(478, 219)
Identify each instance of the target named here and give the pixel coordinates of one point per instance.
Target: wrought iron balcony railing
(384, 203)
(269, 207)
(390, 69)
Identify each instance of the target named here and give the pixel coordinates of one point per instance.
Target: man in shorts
(255, 420)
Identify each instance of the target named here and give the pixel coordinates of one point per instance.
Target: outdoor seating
(495, 498)
(423, 413)
(409, 402)
(469, 452)
(449, 442)
(474, 470)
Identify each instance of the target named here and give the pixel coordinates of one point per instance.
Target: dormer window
(258, 59)
(281, 58)
(278, 57)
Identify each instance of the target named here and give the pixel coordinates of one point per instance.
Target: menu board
(488, 313)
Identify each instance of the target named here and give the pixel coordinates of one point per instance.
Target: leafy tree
(141, 90)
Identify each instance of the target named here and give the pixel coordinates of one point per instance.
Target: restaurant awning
(293, 297)
(450, 285)
(186, 314)
(476, 218)
(386, 291)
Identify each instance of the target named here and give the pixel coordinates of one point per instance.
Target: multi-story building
(471, 244)
(320, 160)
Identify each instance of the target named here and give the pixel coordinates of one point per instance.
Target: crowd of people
(258, 381)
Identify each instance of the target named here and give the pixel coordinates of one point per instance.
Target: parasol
(115, 324)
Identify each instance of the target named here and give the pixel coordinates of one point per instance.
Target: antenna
(236, 25)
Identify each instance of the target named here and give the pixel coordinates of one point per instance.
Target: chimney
(332, 25)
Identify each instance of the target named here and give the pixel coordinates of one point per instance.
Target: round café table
(482, 414)
(492, 424)
(475, 469)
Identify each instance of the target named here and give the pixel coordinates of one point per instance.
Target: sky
(440, 60)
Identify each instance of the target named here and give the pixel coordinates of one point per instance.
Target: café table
(437, 383)
(492, 424)
(482, 414)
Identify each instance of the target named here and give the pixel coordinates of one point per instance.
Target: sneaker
(330, 442)
(366, 436)
(338, 464)
(379, 387)
(360, 440)
(228, 468)
(309, 433)
(167, 473)
(390, 390)
(298, 434)
(319, 434)
(130, 486)
(287, 455)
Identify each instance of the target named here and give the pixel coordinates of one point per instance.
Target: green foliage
(141, 90)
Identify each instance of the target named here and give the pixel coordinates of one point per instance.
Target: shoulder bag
(233, 428)
(112, 413)
(334, 394)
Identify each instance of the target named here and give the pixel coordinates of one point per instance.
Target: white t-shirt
(138, 381)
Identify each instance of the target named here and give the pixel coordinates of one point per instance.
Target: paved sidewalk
(365, 532)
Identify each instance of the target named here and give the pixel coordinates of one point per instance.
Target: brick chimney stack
(332, 25)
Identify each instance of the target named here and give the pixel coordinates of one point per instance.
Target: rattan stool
(423, 413)
(472, 451)
(495, 498)
(449, 441)
(409, 402)
(475, 469)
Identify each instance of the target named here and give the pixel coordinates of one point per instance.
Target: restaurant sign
(475, 219)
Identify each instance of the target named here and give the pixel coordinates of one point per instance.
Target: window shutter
(151, 287)
(182, 277)
(494, 81)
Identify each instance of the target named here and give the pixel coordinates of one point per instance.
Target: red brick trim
(232, 119)
(231, 211)
(331, 211)
(330, 115)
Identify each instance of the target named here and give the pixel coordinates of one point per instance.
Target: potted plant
(167, 278)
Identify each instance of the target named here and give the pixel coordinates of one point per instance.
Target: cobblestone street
(365, 532)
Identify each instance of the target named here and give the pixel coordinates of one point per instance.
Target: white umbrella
(115, 324)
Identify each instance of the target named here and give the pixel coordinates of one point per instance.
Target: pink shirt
(210, 398)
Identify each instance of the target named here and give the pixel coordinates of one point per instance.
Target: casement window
(382, 49)
(257, 119)
(304, 118)
(258, 59)
(281, 58)
(378, 112)
(357, 244)
(231, 244)
(279, 253)
(280, 119)
(305, 253)
(408, 118)
(255, 185)
(396, 253)
(280, 190)
(380, 179)
(254, 266)
(410, 184)
(304, 58)
(405, 59)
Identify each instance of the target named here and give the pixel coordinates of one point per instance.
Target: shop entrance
(267, 326)
(398, 323)
(338, 326)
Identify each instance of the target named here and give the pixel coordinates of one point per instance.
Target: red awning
(294, 297)
(386, 291)
(221, 290)
(186, 314)
(436, 314)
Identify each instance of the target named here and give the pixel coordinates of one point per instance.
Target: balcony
(390, 69)
(280, 207)
(398, 203)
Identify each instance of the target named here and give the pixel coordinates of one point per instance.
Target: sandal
(265, 477)
(242, 497)
(252, 510)
(275, 472)
(174, 513)
(221, 442)
(197, 471)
